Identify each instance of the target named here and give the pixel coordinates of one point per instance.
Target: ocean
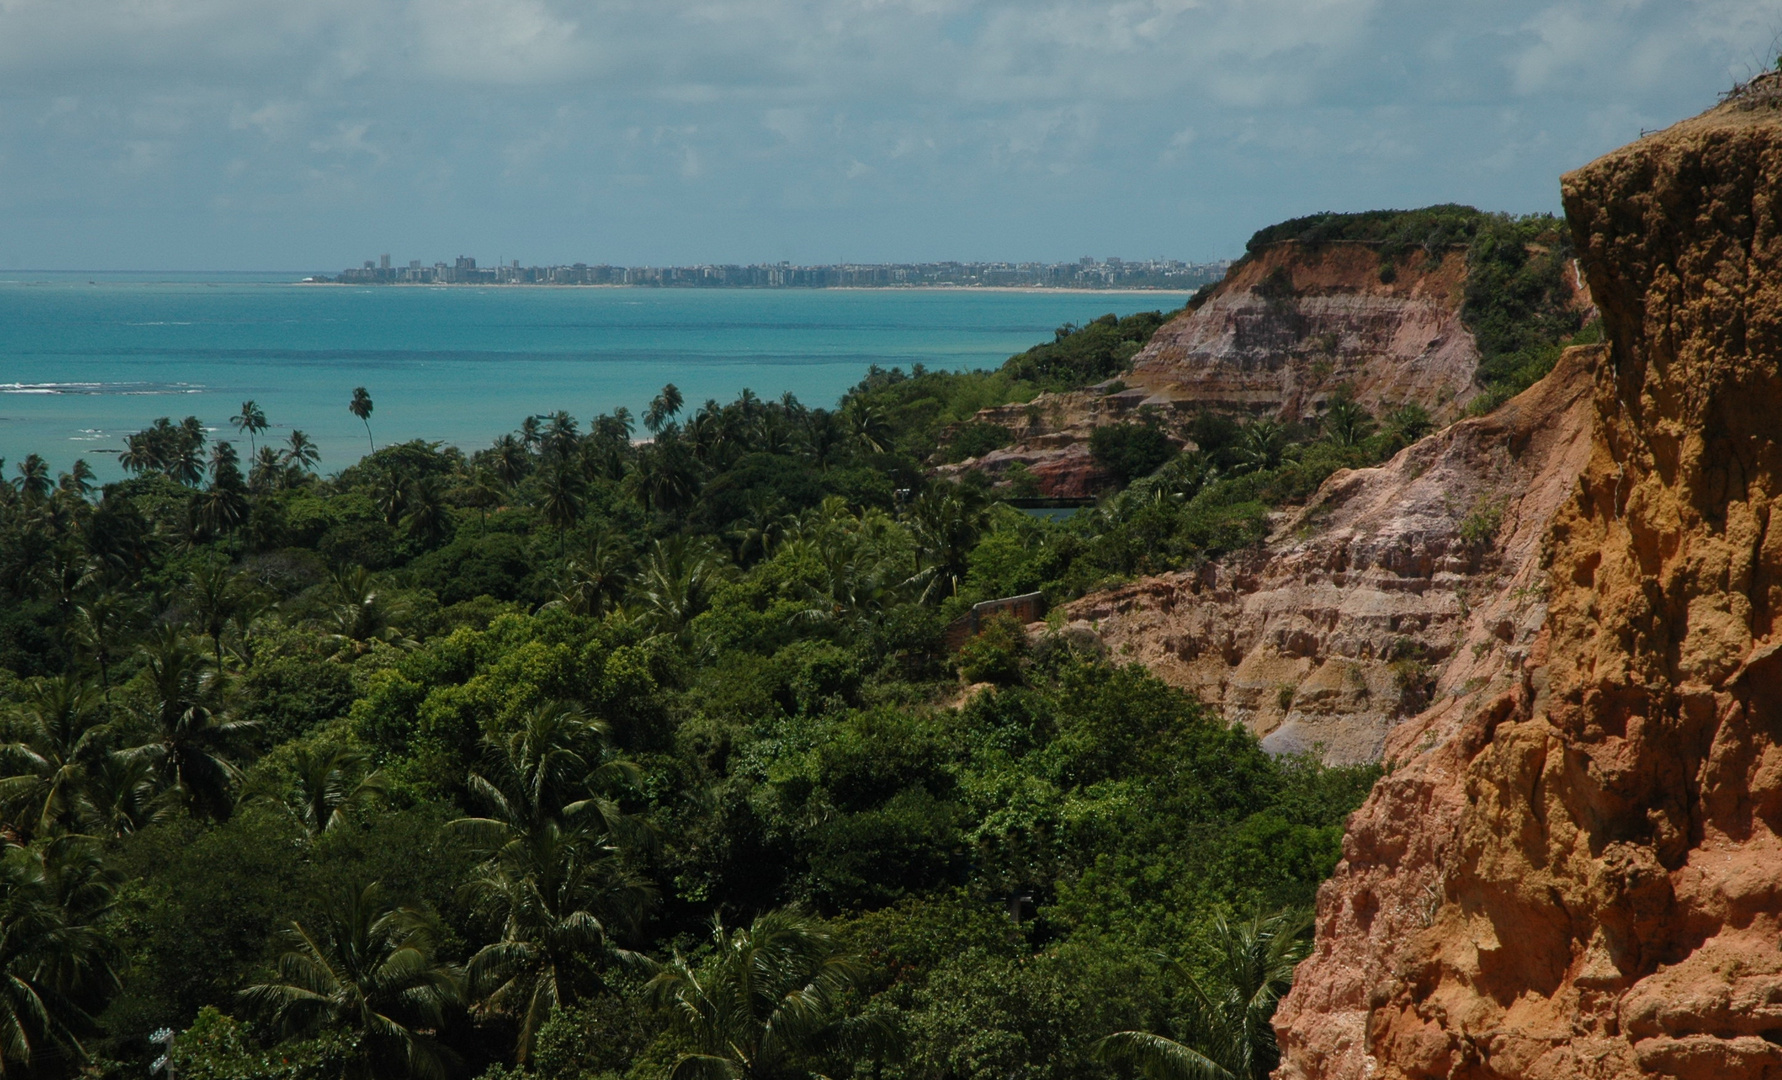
(86, 359)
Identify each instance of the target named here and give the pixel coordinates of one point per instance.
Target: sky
(313, 134)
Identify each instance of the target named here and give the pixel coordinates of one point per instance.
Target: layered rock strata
(1278, 337)
(1291, 324)
(1580, 874)
(1397, 585)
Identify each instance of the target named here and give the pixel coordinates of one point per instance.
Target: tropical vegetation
(633, 747)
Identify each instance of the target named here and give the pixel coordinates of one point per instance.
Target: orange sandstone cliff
(1577, 871)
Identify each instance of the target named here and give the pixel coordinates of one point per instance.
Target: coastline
(1047, 289)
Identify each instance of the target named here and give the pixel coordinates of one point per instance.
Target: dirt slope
(1580, 875)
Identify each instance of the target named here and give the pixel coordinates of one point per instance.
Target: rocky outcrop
(1398, 585)
(1291, 324)
(1284, 330)
(1579, 874)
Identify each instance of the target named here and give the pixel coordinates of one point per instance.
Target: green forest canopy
(478, 744)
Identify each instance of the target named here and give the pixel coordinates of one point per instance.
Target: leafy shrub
(1481, 524)
(995, 652)
(1130, 451)
(976, 439)
(1079, 355)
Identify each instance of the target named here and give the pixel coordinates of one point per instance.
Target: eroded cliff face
(1292, 324)
(1579, 873)
(1396, 586)
(1277, 337)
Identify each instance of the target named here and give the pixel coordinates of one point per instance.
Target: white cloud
(668, 115)
(497, 41)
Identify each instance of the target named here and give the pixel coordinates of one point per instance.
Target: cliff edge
(1580, 874)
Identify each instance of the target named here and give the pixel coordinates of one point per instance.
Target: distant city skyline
(1111, 272)
(232, 134)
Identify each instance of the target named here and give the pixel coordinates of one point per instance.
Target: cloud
(1030, 127)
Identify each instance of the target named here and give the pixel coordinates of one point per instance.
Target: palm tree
(34, 479)
(663, 408)
(768, 999)
(361, 407)
(1227, 1032)
(97, 626)
(213, 591)
(370, 968)
(55, 961)
(57, 737)
(594, 578)
(867, 425)
(252, 421)
(946, 520)
(193, 745)
(78, 481)
(301, 456)
(424, 515)
(137, 456)
(359, 612)
(1408, 423)
(560, 899)
(1262, 445)
(393, 489)
(560, 438)
(185, 460)
(677, 581)
(508, 460)
(560, 499)
(329, 786)
(1347, 423)
(124, 796)
(555, 767)
(268, 471)
(760, 527)
(554, 879)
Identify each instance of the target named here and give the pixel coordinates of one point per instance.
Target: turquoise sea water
(86, 359)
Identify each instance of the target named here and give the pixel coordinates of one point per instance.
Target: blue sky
(244, 134)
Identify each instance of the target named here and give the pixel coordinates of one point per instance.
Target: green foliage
(1481, 524)
(977, 438)
(1129, 451)
(1227, 1034)
(995, 652)
(218, 1047)
(1078, 355)
(1517, 300)
(1394, 231)
(567, 698)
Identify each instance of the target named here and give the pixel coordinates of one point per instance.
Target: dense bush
(1079, 355)
(1129, 451)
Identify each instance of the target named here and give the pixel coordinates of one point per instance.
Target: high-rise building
(383, 262)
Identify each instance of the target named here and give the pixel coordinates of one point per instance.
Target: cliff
(1290, 324)
(1394, 587)
(1277, 337)
(1579, 874)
